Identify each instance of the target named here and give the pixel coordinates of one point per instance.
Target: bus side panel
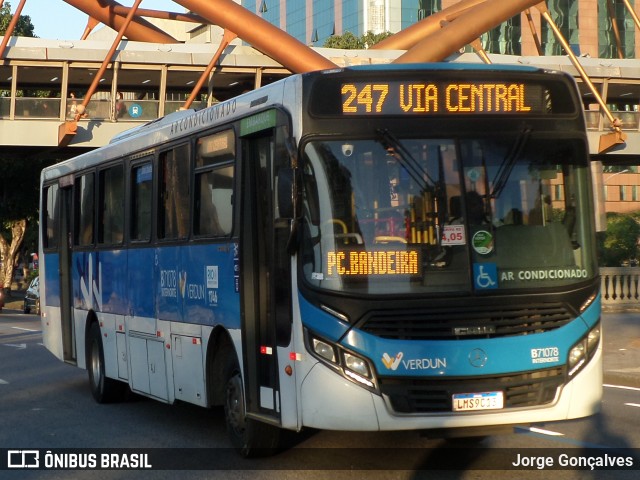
(98, 281)
(141, 282)
(172, 283)
(210, 292)
(108, 327)
(50, 288)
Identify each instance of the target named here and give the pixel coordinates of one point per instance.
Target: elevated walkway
(41, 81)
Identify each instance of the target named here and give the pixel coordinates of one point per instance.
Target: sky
(57, 20)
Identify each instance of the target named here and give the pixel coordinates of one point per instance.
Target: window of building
(557, 192)
(609, 37)
(565, 14)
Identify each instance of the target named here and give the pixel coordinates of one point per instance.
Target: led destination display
(372, 262)
(441, 98)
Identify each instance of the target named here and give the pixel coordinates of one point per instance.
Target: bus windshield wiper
(395, 148)
(509, 162)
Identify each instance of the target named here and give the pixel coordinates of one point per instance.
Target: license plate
(468, 402)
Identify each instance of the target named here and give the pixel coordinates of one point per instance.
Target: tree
(350, 42)
(24, 27)
(19, 193)
(620, 241)
(19, 181)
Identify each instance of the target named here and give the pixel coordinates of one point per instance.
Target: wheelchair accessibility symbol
(485, 276)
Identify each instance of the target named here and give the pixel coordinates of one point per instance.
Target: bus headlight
(593, 339)
(356, 364)
(324, 349)
(583, 350)
(350, 365)
(577, 357)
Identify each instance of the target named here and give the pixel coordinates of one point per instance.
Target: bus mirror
(284, 192)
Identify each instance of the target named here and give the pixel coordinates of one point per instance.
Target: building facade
(586, 24)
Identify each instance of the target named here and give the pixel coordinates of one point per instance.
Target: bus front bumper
(329, 401)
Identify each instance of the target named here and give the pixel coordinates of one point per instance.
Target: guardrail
(597, 121)
(620, 287)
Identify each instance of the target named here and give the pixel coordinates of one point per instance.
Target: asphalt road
(46, 405)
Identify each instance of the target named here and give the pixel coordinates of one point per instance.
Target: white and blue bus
(367, 249)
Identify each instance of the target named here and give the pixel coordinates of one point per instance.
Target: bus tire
(251, 438)
(103, 389)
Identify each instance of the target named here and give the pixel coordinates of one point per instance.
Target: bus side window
(51, 226)
(174, 193)
(214, 190)
(111, 207)
(141, 184)
(85, 210)
(213, 208)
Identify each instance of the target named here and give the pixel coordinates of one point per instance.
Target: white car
(32, 297)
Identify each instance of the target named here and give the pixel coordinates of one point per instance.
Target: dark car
(32, 297)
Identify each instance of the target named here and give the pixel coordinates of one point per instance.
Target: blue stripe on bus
(467, 357)
(51, 279)
(455, 357)
(192, 284)
(321, 322)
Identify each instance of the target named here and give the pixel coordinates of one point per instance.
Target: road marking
(623, 387)
(633, 405)
(26, 329)
(543, 431)
(3, 382)
(558, 437)
(22, 346)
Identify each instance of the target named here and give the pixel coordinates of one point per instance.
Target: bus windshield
(408, 216)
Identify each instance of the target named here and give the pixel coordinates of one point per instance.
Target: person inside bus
(541, 213)
(476, 214)
(207, 217)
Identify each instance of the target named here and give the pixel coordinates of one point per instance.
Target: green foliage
(620, 241)
(19, 194)
(31, 275)
(19, 185)
(349, 41)
(24, 27)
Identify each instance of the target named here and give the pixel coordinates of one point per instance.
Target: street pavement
(621, 337)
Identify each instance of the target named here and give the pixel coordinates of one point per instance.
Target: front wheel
(250, 437)
(103, 389)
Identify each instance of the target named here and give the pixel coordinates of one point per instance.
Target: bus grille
(435, 395)
(466, 322)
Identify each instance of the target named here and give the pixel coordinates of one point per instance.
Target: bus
(374, 248)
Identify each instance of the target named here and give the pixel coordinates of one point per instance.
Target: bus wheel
(103, 389)
(250, 437)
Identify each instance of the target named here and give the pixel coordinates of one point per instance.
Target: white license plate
(468, 402)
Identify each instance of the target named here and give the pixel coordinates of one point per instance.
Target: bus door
(265, 271)
(64, 247)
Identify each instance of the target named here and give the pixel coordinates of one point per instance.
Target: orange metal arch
(263, 36)
(463, 30)
(407, 38)
(139, 29)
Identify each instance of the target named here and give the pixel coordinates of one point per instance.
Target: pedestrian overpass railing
(620, 287)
